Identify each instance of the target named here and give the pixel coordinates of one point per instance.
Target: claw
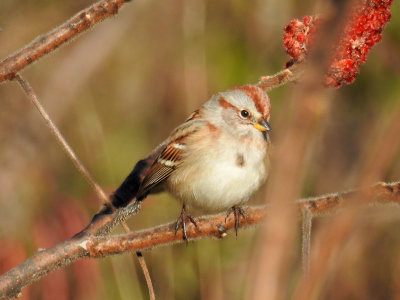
(237, 212)
(181, 223)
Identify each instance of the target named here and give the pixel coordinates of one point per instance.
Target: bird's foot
(237, 212)
(184, 217)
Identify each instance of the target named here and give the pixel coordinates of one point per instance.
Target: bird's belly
(214, 187)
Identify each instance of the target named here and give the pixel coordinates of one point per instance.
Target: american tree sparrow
(215, 161)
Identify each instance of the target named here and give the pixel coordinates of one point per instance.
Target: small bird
(215, 161)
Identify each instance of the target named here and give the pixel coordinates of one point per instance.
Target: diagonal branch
(50, 41)
(86, 244)
(64, 144)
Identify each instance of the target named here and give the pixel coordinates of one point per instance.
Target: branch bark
(50, 41)
(293, 73)
(87, 244)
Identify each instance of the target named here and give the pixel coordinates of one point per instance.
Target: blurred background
(118, 90)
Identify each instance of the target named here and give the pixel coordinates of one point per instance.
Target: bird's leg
(181, 222)
(237, 212)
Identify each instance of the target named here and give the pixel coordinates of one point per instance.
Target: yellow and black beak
(262, 125)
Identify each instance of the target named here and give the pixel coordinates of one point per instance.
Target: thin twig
(146, 274)
(57, 37)
(293, 73)
(306, 222)
(61, 140)
(143, 265)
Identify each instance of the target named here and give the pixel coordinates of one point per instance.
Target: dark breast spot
(240, 160)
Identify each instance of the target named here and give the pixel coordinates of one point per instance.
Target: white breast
(215, 180)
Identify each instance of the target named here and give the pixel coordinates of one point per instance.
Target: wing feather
(169, 158)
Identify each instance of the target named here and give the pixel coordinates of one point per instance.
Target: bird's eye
(244, 114)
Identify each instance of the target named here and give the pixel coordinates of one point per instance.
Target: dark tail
(124, 194)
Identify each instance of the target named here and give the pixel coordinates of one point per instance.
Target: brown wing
(194, 116)
(169, 159)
